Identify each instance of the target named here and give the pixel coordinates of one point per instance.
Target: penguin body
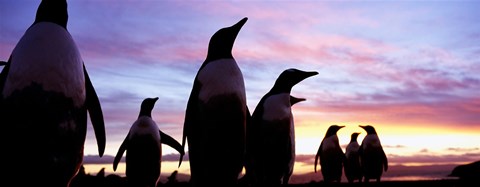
(271, 135)
(45, 95)
(373, 158)
(331, 156)
(144, 149)
(352, 167)
(216, 115)
(291, 163)
(248, 178)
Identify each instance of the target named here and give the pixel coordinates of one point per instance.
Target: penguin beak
(155, 99)
(235, 29)
(363, 127)
(239, 25)
(294, 100)
(300, 100)
(302, 75)
(307, 74)
(339, 127)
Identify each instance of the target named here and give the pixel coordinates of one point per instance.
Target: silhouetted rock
(470, 172)
(113, 180)
(172, 179)
(101, 173)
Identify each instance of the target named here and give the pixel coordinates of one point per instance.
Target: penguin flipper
(318, 156)
(168, 140)
(385, 161)
(3, 63)
(95, 112)
(120, 152)
(3, 75)
(190, 114)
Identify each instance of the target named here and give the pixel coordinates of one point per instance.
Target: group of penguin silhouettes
(366, 160)
(46, 94)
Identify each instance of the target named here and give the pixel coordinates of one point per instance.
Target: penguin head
(354, 137)
(147, 106)
(369, 129)
(221, 43)
(289, 78)
(332, 130)
(294, 100)
(54, 11)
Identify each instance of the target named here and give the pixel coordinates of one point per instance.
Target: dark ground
(117, 181)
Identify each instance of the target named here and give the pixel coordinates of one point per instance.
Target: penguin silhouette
(144, 149)
(331, 156)
(372, 157)
(352, 164)
(247, 180)
(286, 178)
(216, 115)
(45, 97)
(271, 135)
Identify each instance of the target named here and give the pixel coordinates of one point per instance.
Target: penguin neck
(330, 135)
(353, 140)
(278, 88)
(147, 113)
(214, 56)
(210, 59)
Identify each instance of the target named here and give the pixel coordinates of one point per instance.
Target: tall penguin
(372, 157)
(352, 163)
(216, 115)
(144, 149)
(271, 144)
(331, 156)
(45, 96)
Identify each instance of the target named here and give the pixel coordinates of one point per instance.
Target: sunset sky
(411, 69)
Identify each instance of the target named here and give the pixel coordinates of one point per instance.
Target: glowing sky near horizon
(409, 68)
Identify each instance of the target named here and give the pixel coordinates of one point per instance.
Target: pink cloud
(460, 112)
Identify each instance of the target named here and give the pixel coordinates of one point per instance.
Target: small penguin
(246, 179)
(286, 178)
(271, 135)
(45, 95)
(216, 115)
(331, 156)
(352, 164)
(144, 149)
(372, 157)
